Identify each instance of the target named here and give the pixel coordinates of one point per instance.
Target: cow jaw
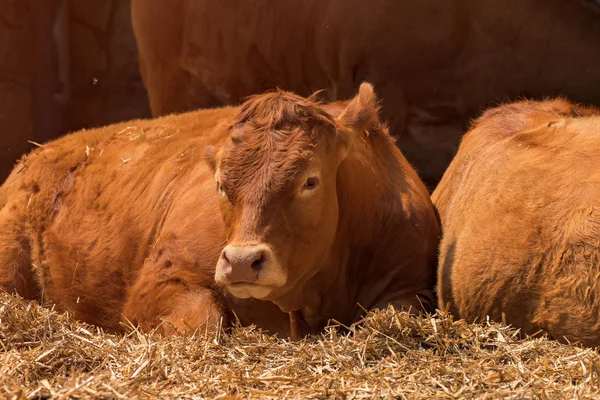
(248, 290)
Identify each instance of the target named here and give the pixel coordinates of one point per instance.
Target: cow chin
(250, 290)
(263, 288)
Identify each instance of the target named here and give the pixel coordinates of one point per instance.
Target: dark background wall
(102, 83)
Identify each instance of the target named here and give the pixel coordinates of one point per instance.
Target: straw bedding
(45, 354)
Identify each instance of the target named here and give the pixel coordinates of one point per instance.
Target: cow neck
(319, 297)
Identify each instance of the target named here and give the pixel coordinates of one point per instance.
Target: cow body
(434, 63)
(126, 223)
(520, 211)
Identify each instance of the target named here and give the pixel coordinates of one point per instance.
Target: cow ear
(210, 156)
(362, 113)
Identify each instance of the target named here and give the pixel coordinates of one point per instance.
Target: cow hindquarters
(568, 306)
(16, 271)
(171, 300)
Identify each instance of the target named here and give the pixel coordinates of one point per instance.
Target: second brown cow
(436, 64)
(280, 205)
(520, 212)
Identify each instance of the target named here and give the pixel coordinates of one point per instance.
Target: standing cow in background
(435, 63)
(287, 204)
(520, 210)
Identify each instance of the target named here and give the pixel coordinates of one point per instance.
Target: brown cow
(435, 63)
(520, 211)
(314, 210)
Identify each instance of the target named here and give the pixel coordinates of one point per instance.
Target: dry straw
(44, 354)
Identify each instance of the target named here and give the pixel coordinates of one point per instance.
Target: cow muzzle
(249, 270)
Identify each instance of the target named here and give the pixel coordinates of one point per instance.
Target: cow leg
(173, 300)
(160, 42)
(172, 89)
(168, 88)
(16, 271)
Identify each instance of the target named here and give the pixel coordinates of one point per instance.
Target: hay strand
(44, 354)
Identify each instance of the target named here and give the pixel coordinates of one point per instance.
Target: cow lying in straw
(520, 212)
(282, 205)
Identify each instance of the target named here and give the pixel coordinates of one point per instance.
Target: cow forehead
(272, 139)
(266, 163)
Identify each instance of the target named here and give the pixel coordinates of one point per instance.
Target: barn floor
(46, 355)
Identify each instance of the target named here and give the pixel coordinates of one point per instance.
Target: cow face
(276, 180)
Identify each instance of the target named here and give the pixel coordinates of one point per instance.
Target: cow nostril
(224, 255)
(257, 264)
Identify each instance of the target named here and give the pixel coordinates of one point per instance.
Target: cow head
(276, 179)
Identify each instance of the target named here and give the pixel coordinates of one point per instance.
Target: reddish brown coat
(434, 63)
(520, 210)
(294, 205)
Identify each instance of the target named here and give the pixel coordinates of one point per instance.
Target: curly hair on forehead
(283, 111)
(273, 137)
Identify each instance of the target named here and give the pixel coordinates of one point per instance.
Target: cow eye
(311, 183)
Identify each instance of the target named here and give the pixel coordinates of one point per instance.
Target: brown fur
(435, 64)
(521, 224)
(127, 222)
